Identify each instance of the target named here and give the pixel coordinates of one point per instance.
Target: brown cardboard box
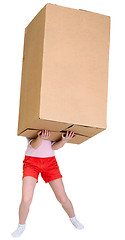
(65, 73)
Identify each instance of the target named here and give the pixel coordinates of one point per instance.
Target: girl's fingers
(46, 133)
(63, 136)
(39, 133)
(43, 133)
(70, 134)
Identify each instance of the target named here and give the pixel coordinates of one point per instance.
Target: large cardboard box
(65, 73)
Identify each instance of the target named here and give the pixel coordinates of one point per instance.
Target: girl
(40, 158)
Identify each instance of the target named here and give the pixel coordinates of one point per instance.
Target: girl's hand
(44, 134)
(68, 137)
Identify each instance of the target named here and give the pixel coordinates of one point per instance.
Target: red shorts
(48, 167)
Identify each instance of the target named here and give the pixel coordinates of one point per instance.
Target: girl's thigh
(28, 187)
(58, 188)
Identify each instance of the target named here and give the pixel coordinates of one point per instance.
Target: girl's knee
(26, 200)
(63, 199)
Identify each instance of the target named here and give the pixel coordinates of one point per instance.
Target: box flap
(85, 130)
(55, 136)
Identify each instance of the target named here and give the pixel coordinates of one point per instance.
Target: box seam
(40, 101)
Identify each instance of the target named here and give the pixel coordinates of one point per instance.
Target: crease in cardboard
(88, 126)
(83, 10)
(70, 126)
(34, 129)
(83, 126)
(76, 134)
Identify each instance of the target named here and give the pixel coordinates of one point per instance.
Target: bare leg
(58, 188)
(28, 187)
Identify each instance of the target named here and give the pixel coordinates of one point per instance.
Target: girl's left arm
(58, 144)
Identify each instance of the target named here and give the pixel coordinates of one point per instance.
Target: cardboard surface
(64, 81)
(31, 71)
(75, 66)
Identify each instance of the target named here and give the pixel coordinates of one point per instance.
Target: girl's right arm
(44, 134)
(35, 143)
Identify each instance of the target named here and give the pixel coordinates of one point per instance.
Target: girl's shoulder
(52, 142)
(29, 139)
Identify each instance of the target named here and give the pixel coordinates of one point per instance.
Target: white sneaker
(18, 231)
(76, 223)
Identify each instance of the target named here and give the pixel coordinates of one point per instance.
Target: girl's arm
(35, 143)
(58, 144)
(44, 134)
(64, 140)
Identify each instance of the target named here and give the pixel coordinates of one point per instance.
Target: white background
(94, 171)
